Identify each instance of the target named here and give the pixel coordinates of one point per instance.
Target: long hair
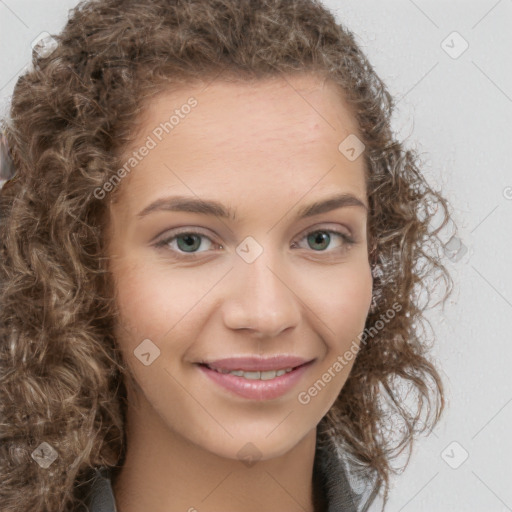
(73, 113)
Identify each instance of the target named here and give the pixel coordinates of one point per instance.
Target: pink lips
(257, 389)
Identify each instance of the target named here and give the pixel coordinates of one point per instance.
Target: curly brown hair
(72, 115)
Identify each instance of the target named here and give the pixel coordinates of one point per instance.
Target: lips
(256, 389)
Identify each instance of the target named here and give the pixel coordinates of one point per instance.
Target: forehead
(282, 132)
(305, 104)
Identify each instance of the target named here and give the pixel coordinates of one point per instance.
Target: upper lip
(257, 363)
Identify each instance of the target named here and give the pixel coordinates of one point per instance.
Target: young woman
(212, 253)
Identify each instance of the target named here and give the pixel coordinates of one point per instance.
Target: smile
(255, 385)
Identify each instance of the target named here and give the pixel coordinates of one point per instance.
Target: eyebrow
(212, 207)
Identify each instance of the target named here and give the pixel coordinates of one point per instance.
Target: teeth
(271, 374)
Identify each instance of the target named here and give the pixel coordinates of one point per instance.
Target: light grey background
(456, 112)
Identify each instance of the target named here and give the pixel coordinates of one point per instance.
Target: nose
(261, 299)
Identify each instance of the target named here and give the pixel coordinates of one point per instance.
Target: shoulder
(98, 495)
(348, 484)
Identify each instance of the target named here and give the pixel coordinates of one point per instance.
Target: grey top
(338, 486)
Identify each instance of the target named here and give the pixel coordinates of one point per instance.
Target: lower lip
(257, 389)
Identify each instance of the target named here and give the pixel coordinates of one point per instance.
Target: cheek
(343, 309)
(150, 303)
(154, 308)
(143, 301)
(343, 299)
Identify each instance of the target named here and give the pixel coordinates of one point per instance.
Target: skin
(265, 150)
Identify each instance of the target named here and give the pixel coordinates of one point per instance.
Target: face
(248, 274)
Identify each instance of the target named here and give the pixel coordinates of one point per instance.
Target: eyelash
(348, 241)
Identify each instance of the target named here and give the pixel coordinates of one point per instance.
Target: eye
(320, 239)
(186, 241)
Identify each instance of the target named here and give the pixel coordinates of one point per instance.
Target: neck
(165, 472)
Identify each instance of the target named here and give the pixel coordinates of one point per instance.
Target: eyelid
(329, 226)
